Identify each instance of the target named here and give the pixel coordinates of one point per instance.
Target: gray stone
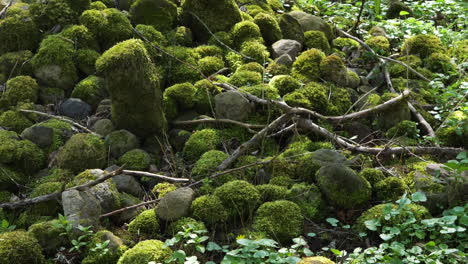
(81, 208)
(310, 22)
(106, 193)
(128, 184)
(39, 135)
(175, 204)
(75, 108)
(121, 141)
(285, 59)
(286, 46)
(103, 127)
(232, 105)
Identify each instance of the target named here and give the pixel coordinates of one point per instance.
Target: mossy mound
(239, 197)
(48, 235)
(281, 220)
(161, 14)
(309, 199)
(316, 40)
(269, 27)
(136, 159)
(209, 209)
(145, 225)
(390, 189)
(18, 33)
(91, 90)
(200, 142)
(316, 260)
(306, 68)
(422, 46)
(145, 252)
(21, 248)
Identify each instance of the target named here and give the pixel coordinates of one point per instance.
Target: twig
(254, 140)
(308, 124)
(152, 175)
(129, 208)
(5, 9)
(62, 119)
(249, 127)
(56, 195)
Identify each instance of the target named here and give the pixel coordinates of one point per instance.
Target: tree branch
(156, 176)
(249, 127)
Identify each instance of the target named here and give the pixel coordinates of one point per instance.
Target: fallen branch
(249, 127)
(156, 176)
(5, 9)
(62, 119)
(242, 149)
(57, 195)
(311, 126)
(129, 208)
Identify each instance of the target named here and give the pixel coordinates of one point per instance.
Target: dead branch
(249, 127)
(311, 126)
(62, 119)
(5, 9)
(129, 208)
(152, 175)
(242, 149)
(57, 195)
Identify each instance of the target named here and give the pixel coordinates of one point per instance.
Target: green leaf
(377, 7)
(335, 251)
(418, 197)
(332, 221)
(404, 13)
(211, 246)
(462, 155)
(372, 224)
(386, 237)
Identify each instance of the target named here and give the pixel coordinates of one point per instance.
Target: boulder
(39, 135)
(175, 204)
(81, 208)
(103, 127)
(310, 22)
(75, 108)
(286, 46)
(126, 183)
(232, 105)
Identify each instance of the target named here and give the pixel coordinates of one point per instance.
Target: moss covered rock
(372, 175)
(200, 142)
(309, 198)
(269, 27)
(316, 260)
(136, 159)
(183, 223)
(21, 248)
(48, 235)
(440, 63)
(306, 68)
(161, 14)
(285, 84)
(390, 189)
(314, 39)
(379, 44)
(121, 141)
(239, 197)
(82, 151)
(311, 96)
(291, 28)
(18, 32)
(342, 186)
(209, 209)
(333, 69)
(9, 63)
(125, 66)
(145, 252)
(216, 15)
(145, 225)
(422, 46)
(281, 220)
(91, 90)
(115, 249)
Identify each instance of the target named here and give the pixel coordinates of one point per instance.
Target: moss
(54, 63)
(256, 51)
(61, 130)
(309, 199)
(459, 51)
(239, 197)
(262, 91)
(316, 260)
(245, 78)
(13, 64)
(281, 220)
(18, 32)
(151, 34)
(204, 96)
(145, 225)
(136, 159)
(176, 71)
(48, 208)
(109, 26)
(333, 69)
(53, 12)
(200, 142)
(342, 186)
(15, 121)
(405, 128)
(283, 181)
(456, 133)
(161, 14)
(440, 63)
(316, 40)
(183, 223)
(182, 94)
(82, 151)
(245, 31)
(345, 44)
(390, 189)
(397, 70)
(20, 248)
(209, 51)
(291, 28)
(271, 192)
(91, 90)
(372, 175)
(379, 44)
(98, 5)
(388, 119)
(20, 154)
(115, 249)
(125, 66)
(251, 66)
(422, 46)
(284, 84)
(48, 235)
(340, 101)
(208, 162)
(312, 96)
(379, 212)
(5, 197)
(234, 60)
(163, 188)
(216, 15)
(181, 36)
(210, 65)
(269, 27)
(221, 37)
(209, 209)
(85, 60)
(81, 36)
(145, 252)
(306, 68)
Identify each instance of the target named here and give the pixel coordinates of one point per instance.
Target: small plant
(6, 227)
(101, 248)
(190, 239)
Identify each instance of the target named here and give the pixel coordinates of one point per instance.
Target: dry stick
(254, 140)
(218, 121)
(62, 119)
(358, 19)
(300, 110)
(56, 195)
(4, 10)
(308, 124)
(382, 57)
(413, 110)
(129, 208)
(152, 175)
